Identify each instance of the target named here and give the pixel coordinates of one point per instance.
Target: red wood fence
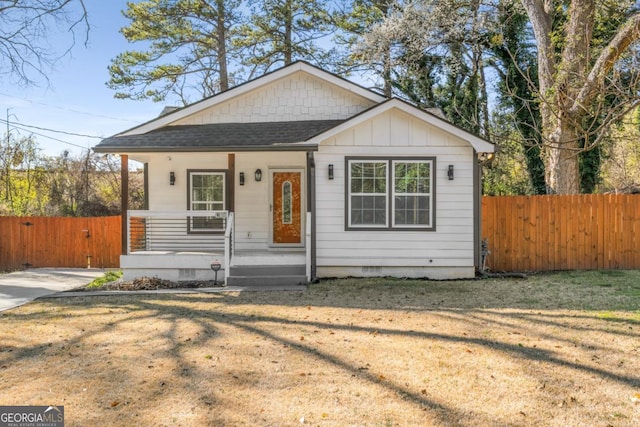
(59, 242)
(544, 233)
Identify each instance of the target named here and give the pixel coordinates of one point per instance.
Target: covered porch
(164, 244)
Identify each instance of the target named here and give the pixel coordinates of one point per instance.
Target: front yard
(553, 350)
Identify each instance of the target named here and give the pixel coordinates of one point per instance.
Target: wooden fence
(544, 233)
(525, 233)
(59, 242)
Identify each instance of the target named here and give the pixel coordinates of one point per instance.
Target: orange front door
(287, 208)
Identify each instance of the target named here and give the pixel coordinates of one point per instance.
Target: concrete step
(266, 275)
(266, 280)
(268, 270)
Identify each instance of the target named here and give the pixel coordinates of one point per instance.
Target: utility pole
(4, 152)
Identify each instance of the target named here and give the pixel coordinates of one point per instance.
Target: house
(300, 174)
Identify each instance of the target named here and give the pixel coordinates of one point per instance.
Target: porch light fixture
(258, 175)
(450, 173)
(172, 178)
(330, 171)
(241, 178)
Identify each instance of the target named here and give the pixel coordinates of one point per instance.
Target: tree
(621, 169)
(88, 185)
(24, 28)
(514, 59)
(23, 182)
(434, 53)
(191, 48)
(282, 31)
(585, 83)
(354, 20)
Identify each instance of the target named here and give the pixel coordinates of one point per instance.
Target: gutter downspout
(477, 211)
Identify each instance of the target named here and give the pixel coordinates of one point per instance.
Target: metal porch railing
(176, 231)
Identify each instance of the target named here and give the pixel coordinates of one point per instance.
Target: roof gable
(298, 88)
(480, 145)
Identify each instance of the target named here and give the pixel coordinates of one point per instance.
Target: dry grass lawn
(552, 350)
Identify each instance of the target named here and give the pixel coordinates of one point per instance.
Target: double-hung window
(368, 193)
(207, 193)
(390, 194)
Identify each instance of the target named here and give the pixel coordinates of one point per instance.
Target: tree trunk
(288, 31)
(221, 37)
(562, 167)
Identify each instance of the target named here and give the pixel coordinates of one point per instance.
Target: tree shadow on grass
(212, 313)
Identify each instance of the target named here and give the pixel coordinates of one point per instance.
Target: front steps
(267, 275)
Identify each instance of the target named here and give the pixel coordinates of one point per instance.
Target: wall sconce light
(241, 178)
(330, 171)
(172, 178)
(450, 173)
(258, 175)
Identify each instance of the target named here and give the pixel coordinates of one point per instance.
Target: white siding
(252, 214)
(300, 96)
(446, 252)
(252, 211)
(165, 197)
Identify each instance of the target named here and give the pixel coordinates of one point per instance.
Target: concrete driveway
(20, 287)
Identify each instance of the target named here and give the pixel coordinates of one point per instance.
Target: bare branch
(628, 34)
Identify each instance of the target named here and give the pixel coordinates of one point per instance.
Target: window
(390, 194)
(206, 193)
(368, 193)
(286, 202)
(411, 193)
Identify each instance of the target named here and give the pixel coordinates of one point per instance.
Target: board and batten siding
(447, 252)
(300, 96)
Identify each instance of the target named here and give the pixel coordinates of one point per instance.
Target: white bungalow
(300, 174)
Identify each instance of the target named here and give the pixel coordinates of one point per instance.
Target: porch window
(206, 193)
(390, 194)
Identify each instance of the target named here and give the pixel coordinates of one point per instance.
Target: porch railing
(176, 231)
(228, 246)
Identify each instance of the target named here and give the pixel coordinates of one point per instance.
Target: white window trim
(223, 201)
(394, 194)
(191, 174)
(386, 194)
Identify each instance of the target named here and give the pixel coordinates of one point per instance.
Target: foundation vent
(186, 273)
(371, 269)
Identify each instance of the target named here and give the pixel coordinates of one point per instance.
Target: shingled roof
(219, 137)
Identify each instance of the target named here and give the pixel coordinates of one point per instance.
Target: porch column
(311, 207)
(231, 177)
(124, 199)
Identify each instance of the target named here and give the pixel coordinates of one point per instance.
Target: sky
(76, 99)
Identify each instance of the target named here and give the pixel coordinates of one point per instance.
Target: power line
(53, 130)
(68, 109)
(47, 136)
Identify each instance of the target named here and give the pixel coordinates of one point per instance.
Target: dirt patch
(554, 350)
